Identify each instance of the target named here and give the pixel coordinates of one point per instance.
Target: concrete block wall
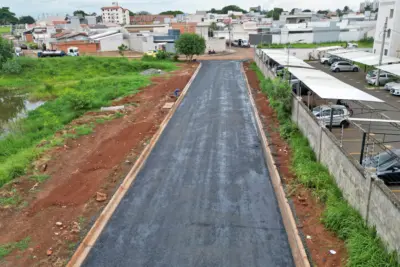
(374, 201)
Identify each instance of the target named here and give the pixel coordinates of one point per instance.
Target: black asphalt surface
(204, 196)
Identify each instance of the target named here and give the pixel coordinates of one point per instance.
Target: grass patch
(40, 178)
(74, 85)
(21, 245)
(363, 245)
(11, 198)
(5, 29)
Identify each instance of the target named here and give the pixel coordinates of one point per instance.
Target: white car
(340, 115)
(324, 60)
(384, 78)
(391, 85)
(395, 90)
(344, 66)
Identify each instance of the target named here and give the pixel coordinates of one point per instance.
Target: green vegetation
(5, 29)
(365, 43)
(190, 44)
(10, 247)
(73, 86)
(363, 246)
(11, 198)
(40, 178)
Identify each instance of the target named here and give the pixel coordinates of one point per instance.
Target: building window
(391, 13)
(389, 31)
(386, 51)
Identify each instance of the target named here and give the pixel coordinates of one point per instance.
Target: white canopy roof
(393, 68)
(363, 57)
(328, 87)
(327, 48)
(281, 57)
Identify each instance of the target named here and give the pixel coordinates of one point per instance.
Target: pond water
(13, 106)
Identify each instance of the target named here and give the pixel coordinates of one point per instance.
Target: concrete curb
(93, 234)
(296, 245)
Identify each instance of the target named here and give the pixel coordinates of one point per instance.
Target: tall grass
(115, 78)
(363, 245)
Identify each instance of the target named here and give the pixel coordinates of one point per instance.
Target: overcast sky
(37, 7)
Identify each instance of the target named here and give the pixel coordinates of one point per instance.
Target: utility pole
(382, 48)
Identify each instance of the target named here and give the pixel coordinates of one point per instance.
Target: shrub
(79, 100)
(33, 46)
(11, 67)
(190, 44)
(162, 55)
(175, 57)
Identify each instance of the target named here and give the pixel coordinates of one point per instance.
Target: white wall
(218, 45)
(111, 43)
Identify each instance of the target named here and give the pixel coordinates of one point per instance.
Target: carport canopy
(281, 57)
(328, 87)
(327, 48)
(363, 57)
(393, 68)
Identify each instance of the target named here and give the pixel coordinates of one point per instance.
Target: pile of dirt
(152, 72)
(84, 174)
(307, 209)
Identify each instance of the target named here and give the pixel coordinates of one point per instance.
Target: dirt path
(307, 209)
(78, 170)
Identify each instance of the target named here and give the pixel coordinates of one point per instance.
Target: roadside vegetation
(364, 43)
(5, 29)
(363, 245)
(71, 86)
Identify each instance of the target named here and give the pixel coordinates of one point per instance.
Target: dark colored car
(23, 46)
(333, 60)
(386, 165)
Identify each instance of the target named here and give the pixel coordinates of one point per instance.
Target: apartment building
(115, 14)
(388, 9)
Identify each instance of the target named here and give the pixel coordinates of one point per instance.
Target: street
(204, 196)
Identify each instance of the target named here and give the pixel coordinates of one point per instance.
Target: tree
(143, 13)
(235, 8)
(275, 13)
(367, 8)
(172, 12)
(6, 50)
(80, 13)
(339, 12)
(7, 17)
(292, 11)
(346, 9)
(131, 13)
(325, 12)
(26, 20)
(121, 49)
(306, 10)
(190, 44)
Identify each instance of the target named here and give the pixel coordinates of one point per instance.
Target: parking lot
(382, 135)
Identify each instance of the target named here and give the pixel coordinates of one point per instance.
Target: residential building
(189, 27)
(372, 6)
(295, 18)
(149, 19)
(115, 14)
(391, 10)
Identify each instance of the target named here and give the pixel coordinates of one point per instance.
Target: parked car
(340, 115)
(325, 60)
(332, 60)
(245, 43)
(151, 53)
(351, 45)
(344, 66)
(23, 46)
(279, 70)
(235, 43)
(73, 51)
(392, 85)
(384, 78)
(386, 164)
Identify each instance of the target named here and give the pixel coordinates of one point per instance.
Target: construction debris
(152, 72)
(114, 108)
(100, 197)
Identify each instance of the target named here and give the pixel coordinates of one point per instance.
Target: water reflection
(14, 105)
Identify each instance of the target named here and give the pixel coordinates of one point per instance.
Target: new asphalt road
(204, 196)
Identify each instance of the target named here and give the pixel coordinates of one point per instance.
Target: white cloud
(38, 7)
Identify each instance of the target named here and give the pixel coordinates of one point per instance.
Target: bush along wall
(363, 245)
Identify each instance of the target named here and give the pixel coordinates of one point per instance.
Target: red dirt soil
(82, 167)
(308, 210)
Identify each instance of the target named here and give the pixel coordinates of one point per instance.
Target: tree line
(7, 17)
